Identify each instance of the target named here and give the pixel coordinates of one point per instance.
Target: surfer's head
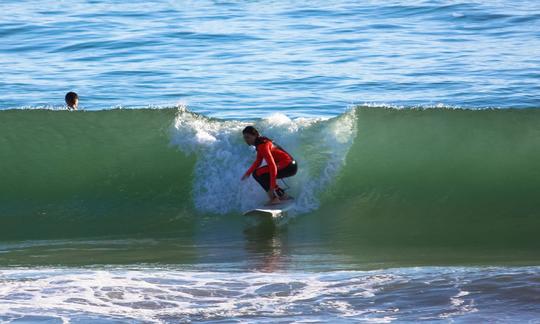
(72, 100)
(250, 135)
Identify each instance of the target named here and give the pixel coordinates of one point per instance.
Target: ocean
(416, 127)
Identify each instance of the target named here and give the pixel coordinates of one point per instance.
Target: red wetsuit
(276, 159)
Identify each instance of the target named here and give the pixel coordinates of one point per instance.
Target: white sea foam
(164, 295)
(319, 145)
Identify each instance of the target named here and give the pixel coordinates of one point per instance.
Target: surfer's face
(249, 138)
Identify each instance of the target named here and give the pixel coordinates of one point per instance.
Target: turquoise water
(415, 125)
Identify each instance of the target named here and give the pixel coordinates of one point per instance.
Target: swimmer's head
(72, 100)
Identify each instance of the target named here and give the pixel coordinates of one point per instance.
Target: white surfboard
(273, 211)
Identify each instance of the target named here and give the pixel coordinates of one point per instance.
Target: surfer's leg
(286, 172)
(262, 176)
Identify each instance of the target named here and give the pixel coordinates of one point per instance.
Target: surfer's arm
(272, 168)
(254, 166)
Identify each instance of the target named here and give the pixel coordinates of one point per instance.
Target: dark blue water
(246, 59)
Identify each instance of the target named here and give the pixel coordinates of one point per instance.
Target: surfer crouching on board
(279, 164)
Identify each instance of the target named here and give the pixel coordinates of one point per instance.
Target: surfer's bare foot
(274, 201)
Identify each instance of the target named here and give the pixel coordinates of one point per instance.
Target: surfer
(279, 164)
(72, 100)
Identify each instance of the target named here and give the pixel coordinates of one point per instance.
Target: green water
(91, 173)
(416, 184)
(439, 177)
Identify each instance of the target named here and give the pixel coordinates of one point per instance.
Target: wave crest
(319, 145)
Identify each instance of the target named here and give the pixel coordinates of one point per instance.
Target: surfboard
(273, 211)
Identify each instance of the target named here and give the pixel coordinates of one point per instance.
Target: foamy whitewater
(415, 126)
(169, 295)
(319, 145)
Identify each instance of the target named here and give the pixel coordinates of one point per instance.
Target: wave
(372, 175)
(319, 145)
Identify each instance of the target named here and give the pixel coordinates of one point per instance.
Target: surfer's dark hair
(71, 97)
(251, 130)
